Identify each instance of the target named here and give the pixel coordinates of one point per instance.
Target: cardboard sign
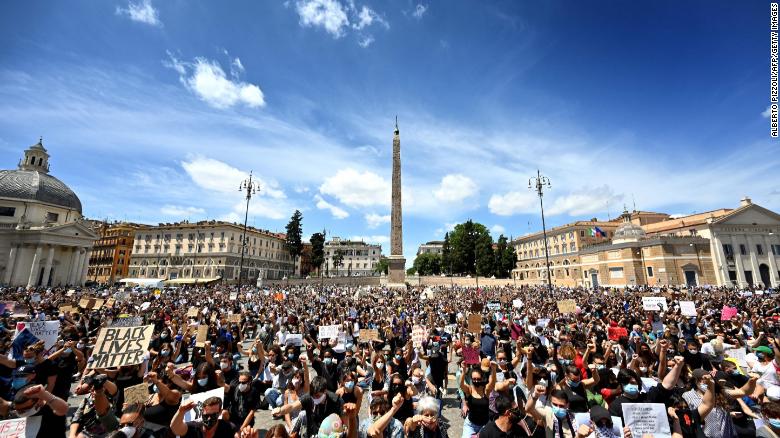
(137, 394)
(470, 355)
(329, 331)
(202, 336)
(127, 321)
(87, 303)
(294, 339)
(110, 302)
(687, 308)
(98, 303)
(543, 322)
(418, 336)
(475, 323)
(192, 312)
(567, 306)
(46, 331)
(196, 413)
(518, 303)
(119, 346)
(233, 296)
(726, 313)
(647, 419)
(369, 335)
(738, 354)
(67, 309)
(234, 317)
(657, 304)
(16, 428)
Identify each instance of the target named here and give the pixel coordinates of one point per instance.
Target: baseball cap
(25, 370)
(764, 349)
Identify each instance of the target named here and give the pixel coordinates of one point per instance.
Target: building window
(582, 233)
(649, 271)
(742, 249)
(728, 249)
(7, 211)
(776, 249)
(759, 249)
(52, 217)
(615, 272)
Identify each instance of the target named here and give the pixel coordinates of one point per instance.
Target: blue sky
(156, 110)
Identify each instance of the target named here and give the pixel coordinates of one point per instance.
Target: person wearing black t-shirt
(509, 422)
(318, 404)
(631, 383)
(209, 425)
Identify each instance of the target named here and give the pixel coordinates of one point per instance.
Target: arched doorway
(763, 271)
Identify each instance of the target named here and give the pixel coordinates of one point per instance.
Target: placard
(656, 304)
(687, 308)
(202, 336)
(87, 303)
(127, 321)
(233, 296)
(67, 309)
(493, 306)
(475, 323)
(543, 322)
(329, 331)
(16, 428)
(518, 303)
(137, 394)
(294, 339)
(110, 302)
(418, 336)
(737, 353)
(98, 303)
(368, 334)
(567, 306)
(647, 419)
(234, 317)
(119, 346)
(196, 413)
(192, 312)
(470, 355)
(615, 333)
(46, 331)
(726, 313)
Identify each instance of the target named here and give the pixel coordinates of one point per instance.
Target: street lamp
(538, 184)
(251, 188)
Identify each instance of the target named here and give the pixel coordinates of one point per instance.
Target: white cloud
(357, 189)
(512, 203)
(175, 210)
(585, 201)
(366, 17)
(455, 188)
(378, 239)
(365, 41)
(208, 81)
(142, 12)
(497, 229)
(238, 65)
(767, 112)
(218, 176)
(448, 226)
(419, 11)
(327, 14)
(374, 220)
(337, 212)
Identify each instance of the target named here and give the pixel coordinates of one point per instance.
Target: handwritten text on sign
(119, 346)
(646, 419)
(654, 303)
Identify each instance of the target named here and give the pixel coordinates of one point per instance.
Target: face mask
(415, 380)
(601, 366)
(643, 369)
(397, 357)
(328, 360)
(224, 365)
(203, 382)
(29, 412)
(210, 420)
(19, 382)
(295, 382)
(80, 346)
(703, 387)
(564, 362)
(559, 412)
(254, 349)
(380, 364)
(164, 335)
(760, 356)
(319, 400)
(693, 351)
(572, 383)
(349, 385)
(129, 431)
(243, 387)
(68, 351)
(29, 361)
(631, 389)
(734, 372)
(165, 353)
(774, 422)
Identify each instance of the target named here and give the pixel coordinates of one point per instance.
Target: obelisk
(396, 262)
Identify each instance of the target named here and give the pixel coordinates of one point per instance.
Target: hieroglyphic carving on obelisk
(397, 263)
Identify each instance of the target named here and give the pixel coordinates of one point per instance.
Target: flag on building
(597, 232)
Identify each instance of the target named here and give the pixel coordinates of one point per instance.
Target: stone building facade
(110, 258)
(433, 247)
(359, 258)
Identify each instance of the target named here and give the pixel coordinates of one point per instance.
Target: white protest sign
(294, 339)
(25, 427)
(47, 331)
(418, 336)
(119, 346)
(517, 303)
(647, 419)
(493, 306)
(196, 413)
(648, 383)
(738, 354)
(654, 303)
(127, 321)
(542, 322)
(329, 331)
(687, 308)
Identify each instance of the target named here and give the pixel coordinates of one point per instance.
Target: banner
(30, 332)
(196, 413)
(119, 346)
(470, 355)
(687, 308)
(567, 306)
(647, 419)
(418, 336)
(475, 323)
(727, 313)
(329, 331)
(656, 304)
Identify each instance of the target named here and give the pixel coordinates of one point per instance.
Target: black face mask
(210, 420)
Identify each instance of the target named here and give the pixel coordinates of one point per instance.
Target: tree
(338, 260)
(410, 271)
(293, 240)
(427, 264)
(318, 250)
(464, 240)
(383, 266)
(505, 258)
(485, 261)
(446, 255)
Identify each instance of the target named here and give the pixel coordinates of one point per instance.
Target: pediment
(753, 214)
(72, 229)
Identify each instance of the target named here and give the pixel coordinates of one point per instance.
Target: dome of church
(628, 231)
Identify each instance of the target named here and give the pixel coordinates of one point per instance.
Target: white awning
(143, 281)
(192, 280)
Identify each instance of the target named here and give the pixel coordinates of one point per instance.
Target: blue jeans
(274, 397)
(469, 428)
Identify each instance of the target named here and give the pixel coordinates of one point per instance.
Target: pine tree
(293, 240)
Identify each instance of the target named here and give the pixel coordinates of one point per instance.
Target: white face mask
(243, 387)
(129, 431)
(295, 382)
(319, 399)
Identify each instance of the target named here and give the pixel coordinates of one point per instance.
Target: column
(9, 270)
(85, 268)
(36, 264)
(720, 258)
(47, 268)
(753, 259)
(75, 266)
(772, 263)
(738, 259)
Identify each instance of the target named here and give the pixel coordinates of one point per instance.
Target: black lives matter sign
(118, 346)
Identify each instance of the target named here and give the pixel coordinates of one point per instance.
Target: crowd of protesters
(539, 368)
